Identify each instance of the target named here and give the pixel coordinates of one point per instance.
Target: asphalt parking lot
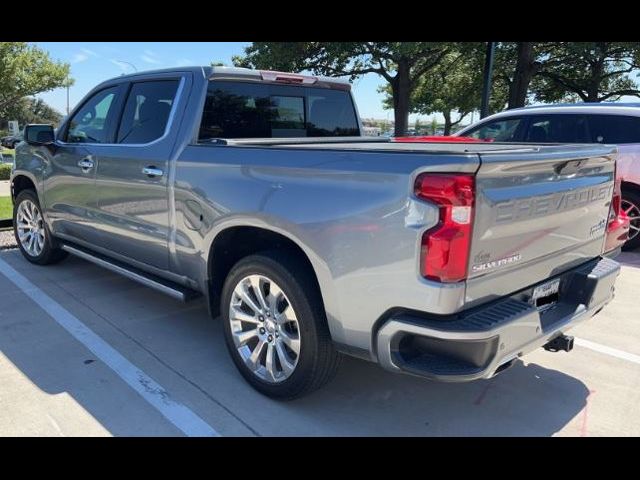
(85, 352)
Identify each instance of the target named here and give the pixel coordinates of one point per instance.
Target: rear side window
(614, 129)
(146, 112)
(560, 128)
(331, 114)
(248, 110)
(507, 130)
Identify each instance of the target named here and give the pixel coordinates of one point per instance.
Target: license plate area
(546, 295)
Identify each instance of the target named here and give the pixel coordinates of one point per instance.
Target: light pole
(67, 84)
(128, 63)
(486, 87)
(67, 94)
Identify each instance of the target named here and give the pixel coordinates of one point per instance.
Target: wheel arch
(239, 240)
(23, 181)
(634, 187)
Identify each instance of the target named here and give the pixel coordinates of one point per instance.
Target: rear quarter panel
(352, 213)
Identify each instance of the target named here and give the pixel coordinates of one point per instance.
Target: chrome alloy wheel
(633, 212)
(30, 226)
(265, 328)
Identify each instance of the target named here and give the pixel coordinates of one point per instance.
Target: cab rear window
(250, 110)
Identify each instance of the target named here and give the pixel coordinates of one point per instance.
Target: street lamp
(128, 63)
(67, 84)
(486, 87)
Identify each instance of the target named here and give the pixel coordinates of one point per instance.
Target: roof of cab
(236, 73)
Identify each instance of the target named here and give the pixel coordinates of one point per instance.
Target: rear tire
(291, 314)
(32, 234)
(631, 203)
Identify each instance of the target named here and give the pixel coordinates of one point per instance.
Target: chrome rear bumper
(485, 340)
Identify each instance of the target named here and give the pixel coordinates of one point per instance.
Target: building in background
(371, 131)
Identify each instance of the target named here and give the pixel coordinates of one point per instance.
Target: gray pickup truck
(257, 190)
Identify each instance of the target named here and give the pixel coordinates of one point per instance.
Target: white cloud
(185, 62)
(89, 52)
(148, 59)
(151, 53)
(79, 57)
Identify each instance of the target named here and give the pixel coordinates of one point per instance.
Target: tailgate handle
(569, 167)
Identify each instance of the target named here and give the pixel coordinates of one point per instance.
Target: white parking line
(614, 352)
(175, 412)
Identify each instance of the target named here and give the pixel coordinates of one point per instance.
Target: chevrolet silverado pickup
(256, 190)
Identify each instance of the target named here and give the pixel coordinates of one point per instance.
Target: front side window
(146, 112)
(561, 128)
(250, 110)
(498, 131)
(615, 129)
(90, 123)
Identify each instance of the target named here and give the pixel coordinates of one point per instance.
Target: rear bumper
(485, 340)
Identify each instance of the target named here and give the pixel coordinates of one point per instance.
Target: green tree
(401, 64)
(590, 71)
(454, 85)
(434, 126)
(33, 110)
(417, 126)
(27, 70)
(516, 64)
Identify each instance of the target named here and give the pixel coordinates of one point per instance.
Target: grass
(6, 208)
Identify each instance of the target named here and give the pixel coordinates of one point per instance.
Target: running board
(167, 287)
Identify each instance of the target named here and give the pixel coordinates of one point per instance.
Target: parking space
(84, 351)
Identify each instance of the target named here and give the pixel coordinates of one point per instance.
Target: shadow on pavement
(57, 364)
(525, 400)
(629, 258)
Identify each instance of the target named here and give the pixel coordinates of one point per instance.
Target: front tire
(32, 235)
(275, 326)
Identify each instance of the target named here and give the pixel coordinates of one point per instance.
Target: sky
(91, 63)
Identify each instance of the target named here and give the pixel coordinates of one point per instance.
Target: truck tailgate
(539, 211)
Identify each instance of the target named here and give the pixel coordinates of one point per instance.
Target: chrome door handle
(85, 164)
(152, 171)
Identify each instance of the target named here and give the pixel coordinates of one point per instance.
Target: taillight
(445, 247)
(618, 222)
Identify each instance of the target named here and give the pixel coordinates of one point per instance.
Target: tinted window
(498, 131)
(247, 110)
(89, 124)
(146, 111)
(560, 128)
(331, 114)
(614, 129)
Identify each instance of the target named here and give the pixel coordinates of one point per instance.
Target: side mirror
(38, 134)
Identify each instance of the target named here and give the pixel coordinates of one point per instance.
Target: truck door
(70, 176)
(132, 180)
